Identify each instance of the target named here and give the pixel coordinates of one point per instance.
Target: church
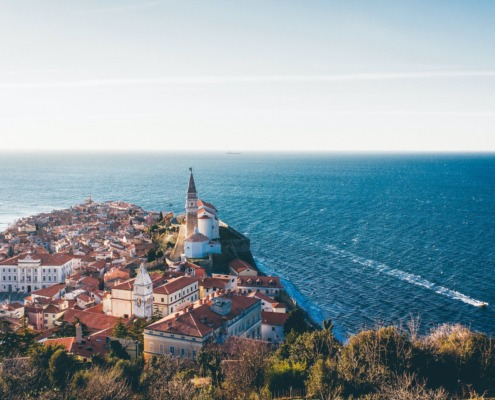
(202, 225)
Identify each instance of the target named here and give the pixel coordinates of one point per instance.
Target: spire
(142, 278)
(192, 186)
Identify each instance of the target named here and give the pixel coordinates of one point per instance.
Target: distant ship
(232, 152)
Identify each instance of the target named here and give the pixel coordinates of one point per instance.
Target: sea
(363, 239)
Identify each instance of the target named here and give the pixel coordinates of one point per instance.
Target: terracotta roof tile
(273, 318)
(201, 321)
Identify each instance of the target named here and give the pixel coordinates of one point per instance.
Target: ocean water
(361, 239)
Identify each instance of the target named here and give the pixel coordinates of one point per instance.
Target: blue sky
(247, 75)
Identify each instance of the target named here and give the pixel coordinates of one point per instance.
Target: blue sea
(361, 239)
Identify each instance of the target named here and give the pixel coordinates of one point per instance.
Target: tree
(8, 338)
(296, 322)
(100, 384)
(118, 351)
(244, 371)
(151, 255)
(374, 356)
(323, 382)
(160, 217)
(60, 368)
(120, 330)
(210, 359)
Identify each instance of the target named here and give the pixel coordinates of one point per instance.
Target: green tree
(60, 368)
(120, 330)
(151, 255)
(296, 322)
(323, 382)
(9, 340)
(283, 374)
(118, 351)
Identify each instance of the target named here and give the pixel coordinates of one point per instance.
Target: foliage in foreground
(381, 363)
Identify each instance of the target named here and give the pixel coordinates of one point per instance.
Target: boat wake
(413, 279)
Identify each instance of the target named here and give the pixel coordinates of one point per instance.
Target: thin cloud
(131, 6)
(209, 80)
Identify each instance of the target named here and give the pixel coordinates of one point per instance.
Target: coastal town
(79, 277)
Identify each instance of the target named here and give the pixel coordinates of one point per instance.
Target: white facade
(208, 210)
(143, 294)
(27, 273)
(272, 333)
(205, 226)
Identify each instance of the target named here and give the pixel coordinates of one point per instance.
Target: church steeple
(191, 206)
(192, 187)
(143, 293)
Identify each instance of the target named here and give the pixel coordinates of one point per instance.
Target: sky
(129, 75)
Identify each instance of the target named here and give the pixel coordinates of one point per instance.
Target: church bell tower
(191, 206)
(142, 295)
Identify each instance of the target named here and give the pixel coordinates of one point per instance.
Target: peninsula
(109, 301)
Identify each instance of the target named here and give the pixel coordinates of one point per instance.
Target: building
(269, 304)
(175, 295)
(198, 245)
(202, 225)
(185, 333)
(142, 294)
(208, 223)
(272, 326)
(29, 272)
(191, 206)
(239, 267)
(268, 285)
(165, 297)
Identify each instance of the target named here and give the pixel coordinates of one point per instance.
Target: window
(182, 352)
(152, 347)
(162, 349)
(163, 301)
(172, 350)
(44, 278)
(194, 353)
(49, 278)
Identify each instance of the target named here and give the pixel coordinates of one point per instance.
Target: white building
(29, 272)
(208, 222)
(198, 245)
(142, 295)
(272, 326)
(184, 334)
(202, 225)
(166, 297)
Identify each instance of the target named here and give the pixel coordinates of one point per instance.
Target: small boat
(482, 304)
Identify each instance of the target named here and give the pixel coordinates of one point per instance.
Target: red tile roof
(175, 285)
(46, 259)
(210, 282)
(273, 318)
(89, 346)
(202, 203)
(239, 265)
(264, 281)
(201, 321)
(50, 291)
(95, 322)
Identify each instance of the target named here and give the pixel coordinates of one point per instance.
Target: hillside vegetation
(382, 363)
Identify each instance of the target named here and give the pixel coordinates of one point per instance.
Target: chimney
(78, 333)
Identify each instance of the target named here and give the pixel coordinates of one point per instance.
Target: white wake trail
(413, 279)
